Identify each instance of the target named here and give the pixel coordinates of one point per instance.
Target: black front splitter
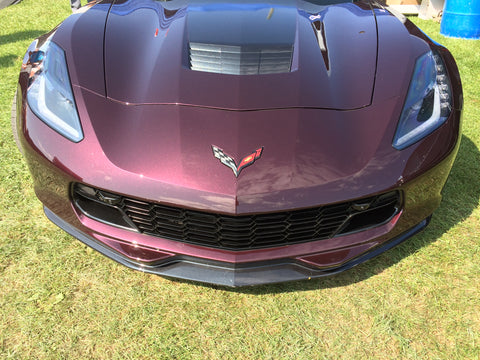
(230, 274)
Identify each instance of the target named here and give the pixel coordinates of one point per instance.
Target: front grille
(246, 232)
(240, 60)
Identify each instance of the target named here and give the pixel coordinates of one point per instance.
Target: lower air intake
(242, 232)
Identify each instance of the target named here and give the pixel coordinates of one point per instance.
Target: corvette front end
(304, 139)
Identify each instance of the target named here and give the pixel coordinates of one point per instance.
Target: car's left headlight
(50, 95)
(428, 103)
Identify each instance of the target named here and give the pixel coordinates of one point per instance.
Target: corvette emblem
(228, 160)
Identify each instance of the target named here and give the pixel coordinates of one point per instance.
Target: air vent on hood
(240, 60)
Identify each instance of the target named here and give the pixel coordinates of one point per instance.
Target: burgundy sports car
(239, 142)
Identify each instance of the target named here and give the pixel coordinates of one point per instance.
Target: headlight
(428, 102)
(50, 95)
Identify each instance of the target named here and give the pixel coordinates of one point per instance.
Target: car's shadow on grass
(7, 60)
(461, 196)
(20, 36)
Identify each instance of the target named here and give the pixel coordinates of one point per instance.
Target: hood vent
(240, 60)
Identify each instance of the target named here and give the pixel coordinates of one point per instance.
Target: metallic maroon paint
(157, 146)
(340, 87)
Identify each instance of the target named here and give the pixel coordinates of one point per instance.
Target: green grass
(61, 300)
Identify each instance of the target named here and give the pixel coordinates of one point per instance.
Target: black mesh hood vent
(240, 60)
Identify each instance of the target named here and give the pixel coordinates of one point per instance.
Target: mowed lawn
(61, 300)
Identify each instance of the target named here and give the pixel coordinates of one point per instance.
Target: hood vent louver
(240, 60)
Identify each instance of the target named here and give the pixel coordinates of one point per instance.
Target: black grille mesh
(242, 232)
(263, 230)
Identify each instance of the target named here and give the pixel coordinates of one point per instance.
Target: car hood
(230, 55)
(162, 135)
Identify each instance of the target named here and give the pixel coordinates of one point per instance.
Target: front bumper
(419, 174)
(421, 196)
(231, 274)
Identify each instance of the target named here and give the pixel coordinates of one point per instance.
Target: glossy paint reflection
(149, 72)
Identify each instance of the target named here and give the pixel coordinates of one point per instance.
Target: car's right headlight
(50, 95)
(428, 103)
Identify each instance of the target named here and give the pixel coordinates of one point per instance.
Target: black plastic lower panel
(228, 274)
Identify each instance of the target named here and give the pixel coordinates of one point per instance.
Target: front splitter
(231, 274)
